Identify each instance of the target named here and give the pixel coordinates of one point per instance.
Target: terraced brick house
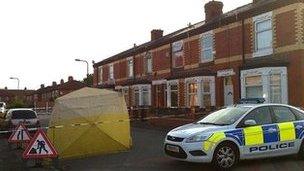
(253, 51)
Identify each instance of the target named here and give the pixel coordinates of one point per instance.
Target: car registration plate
(172, 148)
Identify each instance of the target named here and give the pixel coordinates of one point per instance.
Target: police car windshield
(225, 116)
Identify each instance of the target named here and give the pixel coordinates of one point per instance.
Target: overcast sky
(39, 39)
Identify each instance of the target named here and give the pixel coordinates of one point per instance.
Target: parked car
(239, 132)
(28, 117)
(2, 107)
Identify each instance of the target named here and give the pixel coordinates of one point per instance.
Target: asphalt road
(146, 155)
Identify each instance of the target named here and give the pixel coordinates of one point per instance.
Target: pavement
(146, 155)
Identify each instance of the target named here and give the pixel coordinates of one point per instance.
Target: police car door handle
(272, 130)
(299, 127)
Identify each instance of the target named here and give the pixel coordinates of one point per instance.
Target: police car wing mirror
(250, 122)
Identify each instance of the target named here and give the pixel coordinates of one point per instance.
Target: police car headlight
(198, 138)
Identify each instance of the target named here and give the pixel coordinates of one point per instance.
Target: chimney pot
(213, 9)
(42, 86)
(54, 83)
(5, 88)
(156, 34)
(71, 78)
(61, 81)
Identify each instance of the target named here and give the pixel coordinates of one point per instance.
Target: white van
(2, 107)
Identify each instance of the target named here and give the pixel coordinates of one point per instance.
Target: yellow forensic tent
(90, 122)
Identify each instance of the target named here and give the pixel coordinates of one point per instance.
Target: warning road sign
(40, 147)
(20, 134)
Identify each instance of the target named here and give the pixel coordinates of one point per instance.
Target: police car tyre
(301, 151)
(225, 156)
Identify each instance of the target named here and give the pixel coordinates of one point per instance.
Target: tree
(17, 103)
(88, 80)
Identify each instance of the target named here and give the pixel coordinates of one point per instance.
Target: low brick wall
(170, 122)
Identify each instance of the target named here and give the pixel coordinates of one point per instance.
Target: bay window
(254, 88)
(269, 83)
(200, 91)
(174, 95)
(142, 95)
(206, 92)
(192, 94)
(275, 88)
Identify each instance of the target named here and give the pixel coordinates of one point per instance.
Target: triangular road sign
(20, 134)
(40, 147)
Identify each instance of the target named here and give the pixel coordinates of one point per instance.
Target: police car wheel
(301, 151)
(225, 156)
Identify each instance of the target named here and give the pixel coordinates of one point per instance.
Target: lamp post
(80, 60)
(15, 78)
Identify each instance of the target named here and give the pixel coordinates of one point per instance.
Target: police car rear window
(283, 114)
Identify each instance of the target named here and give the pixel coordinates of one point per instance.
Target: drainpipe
(243, 56)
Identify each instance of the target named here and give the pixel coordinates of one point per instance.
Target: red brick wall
(248, 38)
(161, 60)
(181, 95)
(229, 42)
(95, 77)
(105, 73)
(285, 28)
(138, 65)
(117, 71)
(123, 69)
(192, 52)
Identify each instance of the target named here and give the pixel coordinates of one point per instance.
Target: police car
(244, 131)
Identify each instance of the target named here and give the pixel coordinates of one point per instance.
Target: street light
(15, 78)
(80, 60)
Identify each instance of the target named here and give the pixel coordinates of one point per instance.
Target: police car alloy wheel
(225, 156)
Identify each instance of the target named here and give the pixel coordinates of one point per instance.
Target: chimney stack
(256, 1)
(213, 9)
(42, 86)
(61, 81)
(71, 78)
(54, 83)
(156, 34)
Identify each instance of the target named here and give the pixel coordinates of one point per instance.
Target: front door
(228, 91)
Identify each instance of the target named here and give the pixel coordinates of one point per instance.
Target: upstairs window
(177, 54)
(263, 35)
(130, 68)
(148, 63)
(111, 72)
(100, 74)
(207, 47)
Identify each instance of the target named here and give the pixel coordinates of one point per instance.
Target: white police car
(239, 132)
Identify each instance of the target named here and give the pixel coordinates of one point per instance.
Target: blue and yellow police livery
(239, 132)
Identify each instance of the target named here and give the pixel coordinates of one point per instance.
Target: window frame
(177, 53)
(140, 89)
(204, 49)
(148, 65)
(100, 75)
(130, 63)
(190, 94)
(111, 72)
(257, 20)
